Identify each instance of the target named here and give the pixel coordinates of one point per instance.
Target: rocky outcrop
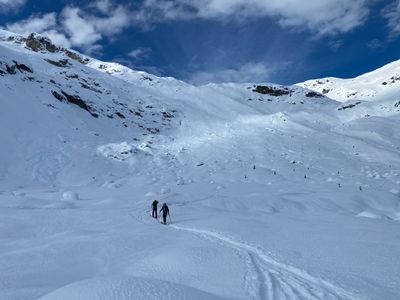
(75, 56)
(12, 69)
(271, 90)
(40, 43)
(351, 105)
(392, 80)
(62, 63)
(74, 99)
(313, 94)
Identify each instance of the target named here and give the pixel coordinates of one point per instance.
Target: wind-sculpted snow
(275, 192)
(127, 288)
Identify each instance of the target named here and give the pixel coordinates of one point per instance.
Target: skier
(165, 211)
(154, 206)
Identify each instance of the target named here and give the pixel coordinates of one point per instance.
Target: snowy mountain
(275, 192)
(79, 100)
(380, 83)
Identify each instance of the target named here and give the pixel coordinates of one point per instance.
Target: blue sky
(282, 41)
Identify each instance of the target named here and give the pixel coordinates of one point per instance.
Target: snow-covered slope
(275, 192)
(81, 101)
(380, 83)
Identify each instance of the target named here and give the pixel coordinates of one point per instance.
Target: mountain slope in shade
(275, 192)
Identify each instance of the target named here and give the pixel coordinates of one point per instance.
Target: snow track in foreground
(127, 288)
(275, 280)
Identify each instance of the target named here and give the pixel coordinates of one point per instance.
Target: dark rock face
(61, 63)
(22, 67)
(39, 43)
(74, 99)
(272, 91)
(12, 69)
(351, 105)
(86, 83)
(147, 78)
(167, 115)
(75, 56)
(153, 130)
(120, 115)
(392, 80)
(58, 96)
(325, 91)
(314, 95)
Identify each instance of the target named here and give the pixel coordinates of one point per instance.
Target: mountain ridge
(369, 86)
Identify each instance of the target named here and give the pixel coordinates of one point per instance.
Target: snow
(283, 196)
(127, 288)
(70, 195)
(368, 86)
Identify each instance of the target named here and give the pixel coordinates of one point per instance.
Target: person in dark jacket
(154, 206)
(165, 210)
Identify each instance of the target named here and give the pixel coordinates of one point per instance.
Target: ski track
(275, 280)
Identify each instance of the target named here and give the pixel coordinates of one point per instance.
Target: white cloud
(86, 29)
(44, 24)
(113, 23)
(34, 24)
(335, 45)
(80, 31)
(250, 72)
(7, 5)
(375, 44)
(58, 38)
(75, 27)
(139, 53)
(322, 17)
(392, 15)
(103, 6)
(85, 26)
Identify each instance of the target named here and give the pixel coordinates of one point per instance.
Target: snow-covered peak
(39, 43)
(369, 86)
